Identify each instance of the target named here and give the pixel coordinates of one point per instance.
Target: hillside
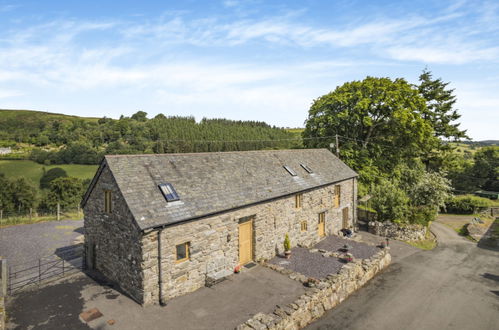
(32, 171)
(17, 125)
(49, 138)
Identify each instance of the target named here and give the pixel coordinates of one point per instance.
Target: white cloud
(451, 54)
(182, 63)
(5, 93)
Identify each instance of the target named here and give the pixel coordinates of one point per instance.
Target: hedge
(466, 204)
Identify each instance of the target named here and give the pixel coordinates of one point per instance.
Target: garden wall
(326, 295)
(395, 231)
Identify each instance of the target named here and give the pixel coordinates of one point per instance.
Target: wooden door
(90, 255)
(322, 224)
(245, 242)
(345, 218)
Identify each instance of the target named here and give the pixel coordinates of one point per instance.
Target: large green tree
(379, 121)
(441, 113)
(24, 195)
(486, 168)
(440, 107)
(6, 203)
(67, 191)
(50, 176)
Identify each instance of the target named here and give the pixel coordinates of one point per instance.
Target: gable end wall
(116, 237)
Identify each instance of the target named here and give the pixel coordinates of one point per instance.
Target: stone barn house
(161, 226)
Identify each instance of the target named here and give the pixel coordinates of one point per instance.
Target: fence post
(4, 277)
(58, 212)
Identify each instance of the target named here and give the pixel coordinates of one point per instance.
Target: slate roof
(209, 183)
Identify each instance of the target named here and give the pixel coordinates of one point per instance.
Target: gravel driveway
(25, 243)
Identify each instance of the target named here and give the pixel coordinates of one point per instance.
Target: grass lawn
(455, 221)
(458, 222)
(34, 171)
(26, 220)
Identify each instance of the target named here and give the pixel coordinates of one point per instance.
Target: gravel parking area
(25, 243)
(309, 264)
(357, 249)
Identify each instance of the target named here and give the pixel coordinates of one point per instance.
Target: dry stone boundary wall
(399, 232)
(328, 293)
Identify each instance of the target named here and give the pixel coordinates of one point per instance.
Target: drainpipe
(160, 272)
(354, 206)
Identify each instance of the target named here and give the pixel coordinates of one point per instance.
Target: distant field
(34, 171)
(295, 130)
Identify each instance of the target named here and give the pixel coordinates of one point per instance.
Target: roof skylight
(168, 192)
(306, 168)
(290, 171)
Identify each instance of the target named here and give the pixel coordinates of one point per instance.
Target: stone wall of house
(395, 231)
(214, 241)
(115, 237)
(327, 294)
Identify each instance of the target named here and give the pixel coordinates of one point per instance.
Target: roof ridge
(212, 152)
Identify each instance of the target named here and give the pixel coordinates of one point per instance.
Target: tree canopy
(388, 130)
(379, 121)
(442, 115)
(50, 176)
(74, 140)
(67, 191)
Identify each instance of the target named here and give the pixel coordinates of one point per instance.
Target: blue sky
(254, 60)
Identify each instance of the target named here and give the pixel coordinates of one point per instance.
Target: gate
(64, 262)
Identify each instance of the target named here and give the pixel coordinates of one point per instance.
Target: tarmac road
(454, 286)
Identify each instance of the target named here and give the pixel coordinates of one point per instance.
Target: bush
(422, 215)
(389, 201)
(466, 204)
(50, 176)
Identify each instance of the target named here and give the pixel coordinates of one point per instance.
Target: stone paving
(313, 262)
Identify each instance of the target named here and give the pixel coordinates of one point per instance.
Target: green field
(34, 171)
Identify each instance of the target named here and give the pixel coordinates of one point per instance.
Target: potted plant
(347, 257)
(287, 247)
(237, 269)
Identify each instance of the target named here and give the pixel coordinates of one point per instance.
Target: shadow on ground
(490, 240)
(57, 305)
(79, 230)
(50, 307)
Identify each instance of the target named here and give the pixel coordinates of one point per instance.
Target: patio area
(323, 259)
